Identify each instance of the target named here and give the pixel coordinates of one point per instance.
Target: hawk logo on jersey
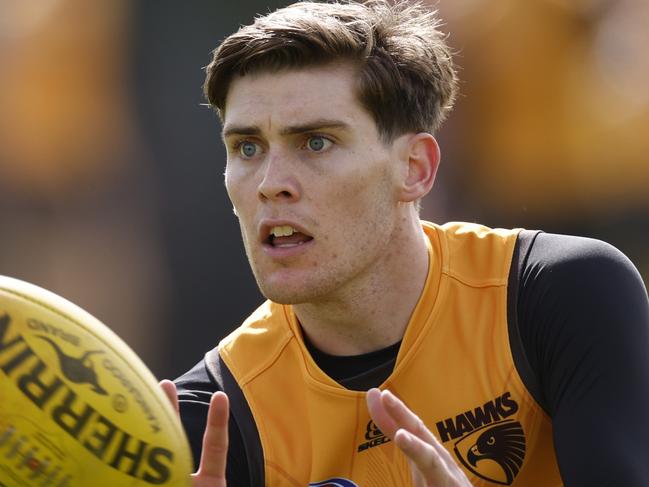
(373, 436)
(494, 452)
(491, 445)
(333, 482)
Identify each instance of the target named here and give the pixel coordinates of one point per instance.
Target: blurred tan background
(111, 189)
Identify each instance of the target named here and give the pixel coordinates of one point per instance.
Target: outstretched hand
(431, 464)
(211, 470)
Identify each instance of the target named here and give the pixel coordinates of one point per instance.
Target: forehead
(288, 97)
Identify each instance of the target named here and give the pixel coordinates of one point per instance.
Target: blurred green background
(111, 186)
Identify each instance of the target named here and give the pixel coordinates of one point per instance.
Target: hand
(431, 464)
(211, 470)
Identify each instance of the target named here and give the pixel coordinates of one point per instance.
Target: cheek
(229, 183)
(235, 185)
(242, 202)
(363, 189)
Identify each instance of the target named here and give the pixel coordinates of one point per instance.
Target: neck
(373, 311)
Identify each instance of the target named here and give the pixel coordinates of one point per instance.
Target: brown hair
(407, 80)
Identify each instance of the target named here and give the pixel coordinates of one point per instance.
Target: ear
(422, 158)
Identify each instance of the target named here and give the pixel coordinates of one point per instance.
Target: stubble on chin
(283, 293)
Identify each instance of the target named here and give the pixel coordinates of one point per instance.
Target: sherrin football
(77, 406)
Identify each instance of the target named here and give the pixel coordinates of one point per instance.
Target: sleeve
(195, 389)
(583, 317)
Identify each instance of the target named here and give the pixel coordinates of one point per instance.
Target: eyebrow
(319, 124)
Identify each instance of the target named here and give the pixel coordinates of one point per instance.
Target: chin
(285, 295)
(291, 291)
(295, 287)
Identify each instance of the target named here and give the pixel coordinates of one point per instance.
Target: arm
(584, 322)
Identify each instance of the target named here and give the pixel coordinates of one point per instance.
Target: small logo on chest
(373, 437)
(488, 444)
(334, 482)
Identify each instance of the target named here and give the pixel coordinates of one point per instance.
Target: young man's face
(313, 186)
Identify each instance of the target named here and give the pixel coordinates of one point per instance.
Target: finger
(215, 439)
(427, 460)
(379, 414)
(169, 388)
(404, 418)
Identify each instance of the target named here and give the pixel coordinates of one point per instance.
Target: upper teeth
(283, 231)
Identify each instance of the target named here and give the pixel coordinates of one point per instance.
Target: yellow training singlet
(454, 370)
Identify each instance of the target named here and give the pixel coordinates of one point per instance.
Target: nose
(279, 181)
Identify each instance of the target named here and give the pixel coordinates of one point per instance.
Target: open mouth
(285, 236)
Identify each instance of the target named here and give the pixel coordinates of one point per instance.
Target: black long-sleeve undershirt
(583, 320)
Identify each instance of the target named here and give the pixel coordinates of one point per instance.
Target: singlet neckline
(341, 367)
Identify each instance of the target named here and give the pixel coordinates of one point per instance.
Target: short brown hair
(407, 80)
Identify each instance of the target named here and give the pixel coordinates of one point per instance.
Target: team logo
(373, 437)
(77, 370)
(333, 482)
(494, 452)
(488, 443)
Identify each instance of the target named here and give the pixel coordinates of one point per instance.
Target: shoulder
(266, 321)
(581, 307)
(560, 250)
(256, 344)
(197, 384)
(474, 254)
(579, 268)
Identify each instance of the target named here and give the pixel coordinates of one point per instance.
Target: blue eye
(318, 143)
(248, 149)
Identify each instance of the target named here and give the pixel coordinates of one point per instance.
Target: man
(503, 357)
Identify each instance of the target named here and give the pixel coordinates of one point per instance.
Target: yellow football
(77, 405)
